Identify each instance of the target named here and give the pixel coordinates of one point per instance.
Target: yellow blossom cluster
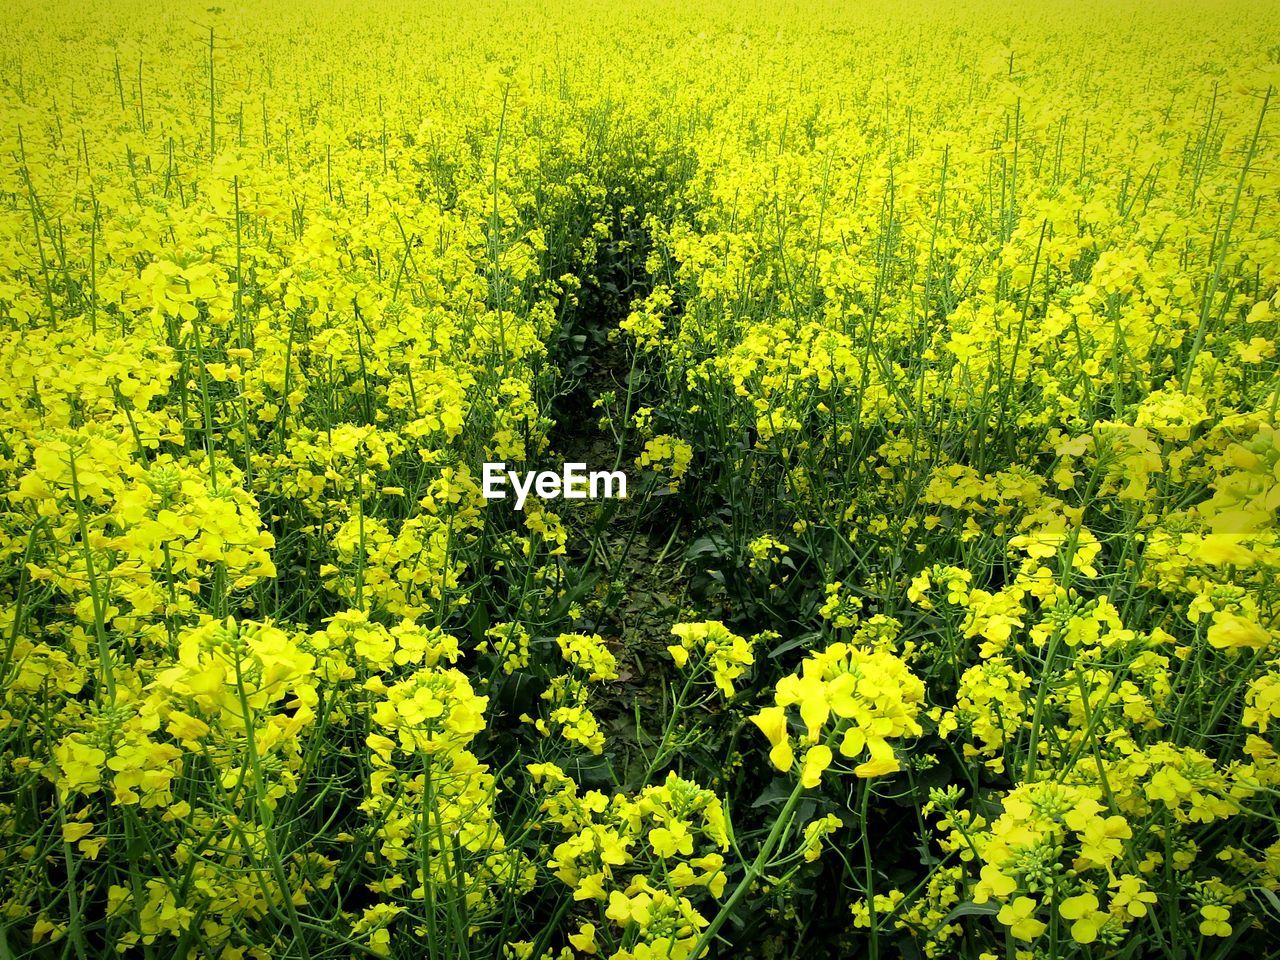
(942, 616)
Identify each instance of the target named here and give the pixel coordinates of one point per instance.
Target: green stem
(780, 826)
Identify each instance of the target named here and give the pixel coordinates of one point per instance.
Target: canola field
(937, 344)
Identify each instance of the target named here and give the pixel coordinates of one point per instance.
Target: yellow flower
(71, 832)
(1131, 897)
(1214, 922)
(871, 695)
(1230, 631)
(993, 883)
(79, 764)
(877, 767)
(584, 941)
(671, 840)
(589, 654)
(815, 831)
(726, 654)
(625, 909)
(1083, 909)
(1019, 917)
(590, 887)
(816, 759)
(772, 722)
(1102, 839)
(811, 693)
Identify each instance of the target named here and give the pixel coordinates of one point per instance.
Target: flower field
(941, 617)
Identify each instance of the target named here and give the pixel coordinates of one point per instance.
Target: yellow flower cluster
(852, 699)
(943, 340)
(711, 646)
(638, 863)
